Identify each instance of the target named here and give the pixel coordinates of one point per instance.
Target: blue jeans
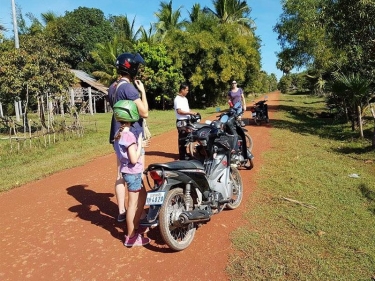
(133, 181)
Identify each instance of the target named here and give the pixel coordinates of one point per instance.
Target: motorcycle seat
(178, 165)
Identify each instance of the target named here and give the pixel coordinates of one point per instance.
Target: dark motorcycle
(185, 194)
(241, 142)
(260, 112)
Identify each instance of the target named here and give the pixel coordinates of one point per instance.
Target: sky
(265, 13)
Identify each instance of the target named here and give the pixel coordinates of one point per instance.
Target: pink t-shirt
(121, 147)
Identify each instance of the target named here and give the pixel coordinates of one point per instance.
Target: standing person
(128, 150)
(183, 112)
(237, 100)
(127, 88)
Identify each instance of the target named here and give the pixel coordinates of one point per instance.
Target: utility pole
(15, 28)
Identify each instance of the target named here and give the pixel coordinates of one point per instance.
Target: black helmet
(128, 63)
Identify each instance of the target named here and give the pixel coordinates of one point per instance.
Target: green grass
(19, 166)
(331, 234)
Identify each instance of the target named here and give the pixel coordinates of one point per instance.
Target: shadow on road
(96, 208)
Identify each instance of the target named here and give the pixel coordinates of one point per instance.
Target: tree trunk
(360, 121)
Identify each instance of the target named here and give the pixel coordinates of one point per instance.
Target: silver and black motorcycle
(185, 194)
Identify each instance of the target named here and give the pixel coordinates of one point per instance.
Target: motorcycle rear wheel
(249, 142)
(237, 186)
(257, 120)
(177, 237)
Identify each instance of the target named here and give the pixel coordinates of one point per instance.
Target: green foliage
(160, 75)
(285, 84)
(36, 68)
(351, 25)
(209, 60)
(78, 31)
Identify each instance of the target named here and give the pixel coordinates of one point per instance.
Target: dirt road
(63, 227)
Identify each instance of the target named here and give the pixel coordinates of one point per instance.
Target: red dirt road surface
(64, 227)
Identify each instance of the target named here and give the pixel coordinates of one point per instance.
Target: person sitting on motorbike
(237, 101)
(183, 112)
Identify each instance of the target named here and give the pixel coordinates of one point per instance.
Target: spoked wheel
(178, 237)
(249, 142)
(237, 187)
(257, 119)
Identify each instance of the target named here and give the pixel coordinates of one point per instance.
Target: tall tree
(352, 28)
(36, 68)
(233, 11)
(79, 31)
(168, 19)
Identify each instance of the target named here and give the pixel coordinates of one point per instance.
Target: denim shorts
(133, 181)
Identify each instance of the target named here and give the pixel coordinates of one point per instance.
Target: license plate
(254, 114)
(155, 198)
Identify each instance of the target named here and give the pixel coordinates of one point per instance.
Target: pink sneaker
(136, 240)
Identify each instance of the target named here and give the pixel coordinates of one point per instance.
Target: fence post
(1, 110)
(17, 111)
(71, 97)
(90, 100)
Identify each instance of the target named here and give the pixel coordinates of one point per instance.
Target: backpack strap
(115, 93)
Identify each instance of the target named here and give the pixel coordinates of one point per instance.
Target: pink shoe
(136, 240)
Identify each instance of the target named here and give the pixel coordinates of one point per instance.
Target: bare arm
(179, 111)
(134, 153)
(141, 103)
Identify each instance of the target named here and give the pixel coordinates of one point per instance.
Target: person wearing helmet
(127, 87)
(128, 150)
(183, 112)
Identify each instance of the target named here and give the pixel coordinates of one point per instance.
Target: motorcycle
(185, 194)
(241, 141)
(260, 111)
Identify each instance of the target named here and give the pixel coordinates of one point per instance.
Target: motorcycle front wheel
(178, 237)
(237, 186)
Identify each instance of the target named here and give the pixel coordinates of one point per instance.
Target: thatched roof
(83, 76)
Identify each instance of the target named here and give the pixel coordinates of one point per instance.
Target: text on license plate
(155, 198)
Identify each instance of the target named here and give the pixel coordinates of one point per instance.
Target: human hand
(146, 143)
(140, 86)
(140, 140)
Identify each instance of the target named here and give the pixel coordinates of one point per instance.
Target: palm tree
(48, 17)
(168, 19)
(233, 11)
(354, 92)
(195, 13)
(105, 55)
(124, 29)
(147, 36)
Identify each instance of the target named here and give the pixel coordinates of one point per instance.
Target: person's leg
(131, 212)
(120, 193)
(181, 144)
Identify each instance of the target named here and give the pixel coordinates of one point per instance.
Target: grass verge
(309, 218)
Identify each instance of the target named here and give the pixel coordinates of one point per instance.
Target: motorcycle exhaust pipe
(194, 216)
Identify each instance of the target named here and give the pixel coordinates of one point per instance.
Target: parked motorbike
(241, 141)
(185, 194)
(260, 111)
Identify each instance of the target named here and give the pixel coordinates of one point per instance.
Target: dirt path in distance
(63, 227)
